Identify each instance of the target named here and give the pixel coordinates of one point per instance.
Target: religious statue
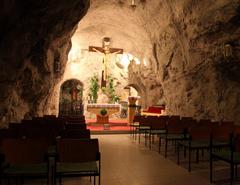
(74, 94)
(106, 50)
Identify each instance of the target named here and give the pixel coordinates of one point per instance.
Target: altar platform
(119, 126)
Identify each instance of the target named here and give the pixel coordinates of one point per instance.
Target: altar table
(96, 109)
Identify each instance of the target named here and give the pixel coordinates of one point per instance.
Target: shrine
(103, 111)
(75, 74)
(106, 50)
(71, 103)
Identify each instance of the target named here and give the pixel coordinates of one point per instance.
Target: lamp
(133, 5)
(227, 52)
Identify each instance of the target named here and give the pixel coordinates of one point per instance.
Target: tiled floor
(126, 162)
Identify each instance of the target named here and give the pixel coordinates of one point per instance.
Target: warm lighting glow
(125, 60)
(137, 61)
(133, 92)
(145, 61)
(74, 54)
(75, 68)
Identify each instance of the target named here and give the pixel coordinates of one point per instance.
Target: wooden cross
(106, 50)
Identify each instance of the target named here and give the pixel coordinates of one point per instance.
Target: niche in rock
(71, 98)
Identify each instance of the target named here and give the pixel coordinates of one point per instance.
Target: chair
(26, 158)
(227, 123)
(231, 152)
(78, 157)
(136, 122)
(49, 116)
(11, 133)
(199, 137)
(76, 134)
(175, 131)
(14, 125)
(76, 119)
(77, 126)
(142, 127)
(157, 127)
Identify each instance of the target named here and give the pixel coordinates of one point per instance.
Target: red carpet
(114, 125)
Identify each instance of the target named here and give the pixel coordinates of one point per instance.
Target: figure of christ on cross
(106, 50)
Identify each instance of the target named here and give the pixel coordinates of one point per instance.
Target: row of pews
(48, 147)
(220, 140)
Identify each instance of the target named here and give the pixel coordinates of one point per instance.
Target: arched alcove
(135, 90)
(71, 98)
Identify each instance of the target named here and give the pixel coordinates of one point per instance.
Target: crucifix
(106, 50)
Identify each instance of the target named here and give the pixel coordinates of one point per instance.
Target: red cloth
(154, 109)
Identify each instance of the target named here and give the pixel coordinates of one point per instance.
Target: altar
(103, 111)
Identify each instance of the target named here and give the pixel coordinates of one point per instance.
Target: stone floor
(126, 162)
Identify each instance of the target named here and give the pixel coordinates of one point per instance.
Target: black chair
(199, 137)
(135, 124)
(157, 127)
(230, 155)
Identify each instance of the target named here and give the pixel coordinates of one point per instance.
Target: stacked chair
(48, 147)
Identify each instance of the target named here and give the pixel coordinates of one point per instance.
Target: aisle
(125, 162)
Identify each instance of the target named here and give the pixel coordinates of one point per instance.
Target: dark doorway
(71, 98)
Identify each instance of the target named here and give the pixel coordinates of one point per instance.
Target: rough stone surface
(188, 69)
(181, 45)
(34, 36)
(181, 48)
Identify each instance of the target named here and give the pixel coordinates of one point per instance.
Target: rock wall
(195, 57)
(35, 40)
(189, 52)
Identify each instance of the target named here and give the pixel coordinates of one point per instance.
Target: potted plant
(103, 112)
(111, 91)
(94, 87)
